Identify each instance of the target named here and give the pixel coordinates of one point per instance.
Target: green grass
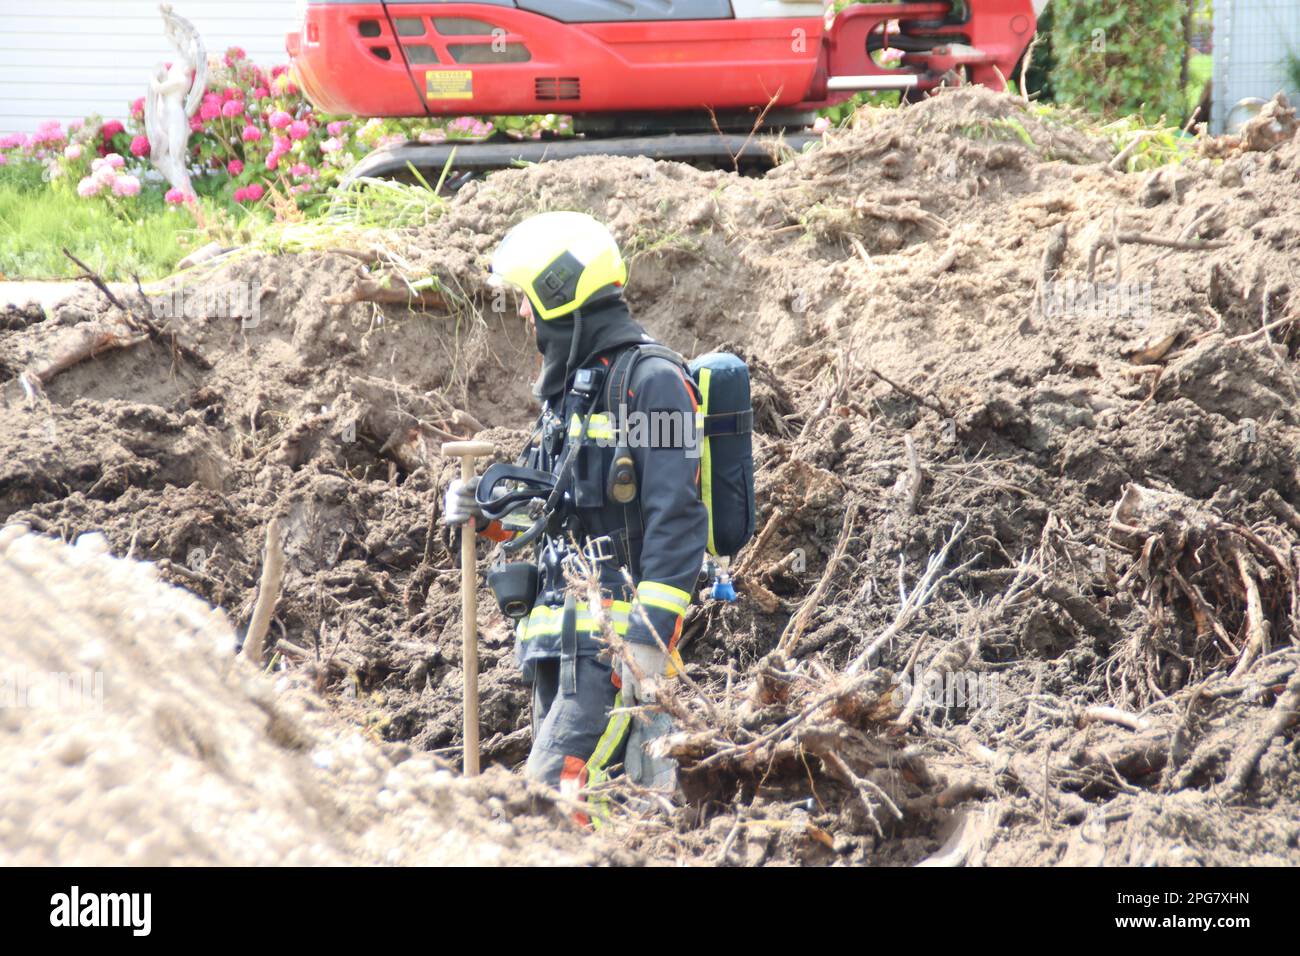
(1199, 70)
(366, 213)
(1008, 129)
(1157, 144)
(144, 236)
(139, 235)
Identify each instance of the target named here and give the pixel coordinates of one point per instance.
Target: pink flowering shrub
(253, 133)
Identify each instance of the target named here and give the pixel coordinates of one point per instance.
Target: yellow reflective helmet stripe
(606, 269)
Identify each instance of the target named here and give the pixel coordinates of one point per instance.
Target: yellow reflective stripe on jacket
(706, 456)
(598, 428)
(543, 621)
(663, 596)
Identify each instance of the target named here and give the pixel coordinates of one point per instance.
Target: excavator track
(740, 151)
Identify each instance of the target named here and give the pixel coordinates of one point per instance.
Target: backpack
(726, 471)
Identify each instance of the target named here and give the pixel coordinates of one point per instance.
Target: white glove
(460, 504)
(657, 773)
(652, 663)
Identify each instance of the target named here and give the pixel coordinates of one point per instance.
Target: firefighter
(571, 275)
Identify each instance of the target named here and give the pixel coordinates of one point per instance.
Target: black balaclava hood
(602, 326)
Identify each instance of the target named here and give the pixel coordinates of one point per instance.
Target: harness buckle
(599, 549)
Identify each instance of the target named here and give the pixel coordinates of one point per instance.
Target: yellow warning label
(449, 84)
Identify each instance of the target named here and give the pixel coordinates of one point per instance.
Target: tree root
(1217, 593)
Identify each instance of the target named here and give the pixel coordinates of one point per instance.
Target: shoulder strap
(620, 373)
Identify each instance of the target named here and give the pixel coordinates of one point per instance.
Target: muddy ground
(965, 328)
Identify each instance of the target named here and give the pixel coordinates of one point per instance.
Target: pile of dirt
(131, 734)
(970, 337)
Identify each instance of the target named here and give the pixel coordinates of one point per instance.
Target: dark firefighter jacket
(659, 537)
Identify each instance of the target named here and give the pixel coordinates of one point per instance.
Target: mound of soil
(131, 734)
(958, 317)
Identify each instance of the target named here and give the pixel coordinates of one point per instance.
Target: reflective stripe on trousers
(598, 766)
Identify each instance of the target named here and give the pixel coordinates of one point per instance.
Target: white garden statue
(173, 98)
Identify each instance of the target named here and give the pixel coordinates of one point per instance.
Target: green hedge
(1118, 57)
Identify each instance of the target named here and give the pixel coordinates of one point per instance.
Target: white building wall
(65, 59)
(1251, 41)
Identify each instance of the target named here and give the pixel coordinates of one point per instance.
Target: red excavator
(671, 79)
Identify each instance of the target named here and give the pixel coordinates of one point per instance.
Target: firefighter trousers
(570, 728)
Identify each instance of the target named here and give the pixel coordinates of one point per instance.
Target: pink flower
(300, 170)
(196, 123)
(273, 161)
(48, 132)
(337, 127)
(140, 145)
(252, 193)
(177, 198)
(137, 108)
(111, 129)
(235, 167)
(114, 160)
(260, 92)
(279, 120)
(299, 129)
(47, 136)
(210, 111)
(278, 70)
(13, 141)
(88, 187)
(241, 194)
(126, 186)
(251, 134)
(331, 145)
(232, 108)
(73, 151)
(280, 145)
(821, 124)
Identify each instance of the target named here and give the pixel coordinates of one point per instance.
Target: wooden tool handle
(467, 451)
